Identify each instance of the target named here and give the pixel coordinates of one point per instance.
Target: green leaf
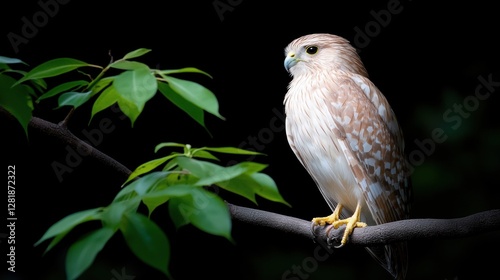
(62, 88)
(142, 185)
(249, 167)
(192, 110)
(16, 100)
(267, 188)
(248, 185)
(204, 154)
(136, 86)
(54, 241)
(207, 172)
(243, 185)
(112, 215)
(107, 98)
(101, 84)
(20, 72)
(129, 109)
(158, 197)
(53, 68)
(184, 70)
(32, 94)
(111, 96)
(218, 175)
(40, 84)
(214, 216)
(75, 99)
(146, 239)
(83, 252)
(153, 202)
(168, 144)
(241, 178)
(9, 60)
(69, 222)
(204, 210)
(179, 210)
(196, 94)
(148, 166)
(210, 173)
(172, 163)
(231, 150)
(128, 65)
(136, 53)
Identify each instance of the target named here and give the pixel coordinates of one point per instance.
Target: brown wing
(372, 142)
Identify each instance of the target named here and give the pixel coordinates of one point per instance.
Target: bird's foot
(350, 224)
(335, 222)
(322, 221)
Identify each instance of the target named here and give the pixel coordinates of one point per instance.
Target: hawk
(345, 134)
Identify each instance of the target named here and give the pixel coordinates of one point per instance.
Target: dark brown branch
(68, 138)
(61, 133)
(406, 230)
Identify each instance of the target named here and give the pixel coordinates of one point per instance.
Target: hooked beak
(290, 61)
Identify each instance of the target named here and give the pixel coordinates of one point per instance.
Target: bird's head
(322, 52)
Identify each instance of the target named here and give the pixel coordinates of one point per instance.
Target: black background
(425, 57)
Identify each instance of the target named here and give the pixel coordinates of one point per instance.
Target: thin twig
(64, 123)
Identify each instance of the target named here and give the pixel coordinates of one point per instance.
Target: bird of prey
(345, 134)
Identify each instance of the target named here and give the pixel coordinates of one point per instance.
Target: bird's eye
(311, 50)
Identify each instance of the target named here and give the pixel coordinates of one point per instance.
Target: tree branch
(405, 230)
(62, 133)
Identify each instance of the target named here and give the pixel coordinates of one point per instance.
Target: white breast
(310, 134)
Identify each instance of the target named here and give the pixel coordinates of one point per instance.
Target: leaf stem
(64, 123)
(97, 79)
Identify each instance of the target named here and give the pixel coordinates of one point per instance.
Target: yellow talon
(334, 220)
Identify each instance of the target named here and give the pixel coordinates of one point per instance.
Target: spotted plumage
(345, 134)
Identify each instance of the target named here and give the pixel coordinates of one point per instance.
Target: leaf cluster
(182, 179)
(134, 85)
(181, 183)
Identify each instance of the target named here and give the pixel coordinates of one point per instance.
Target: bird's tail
(393, 257)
